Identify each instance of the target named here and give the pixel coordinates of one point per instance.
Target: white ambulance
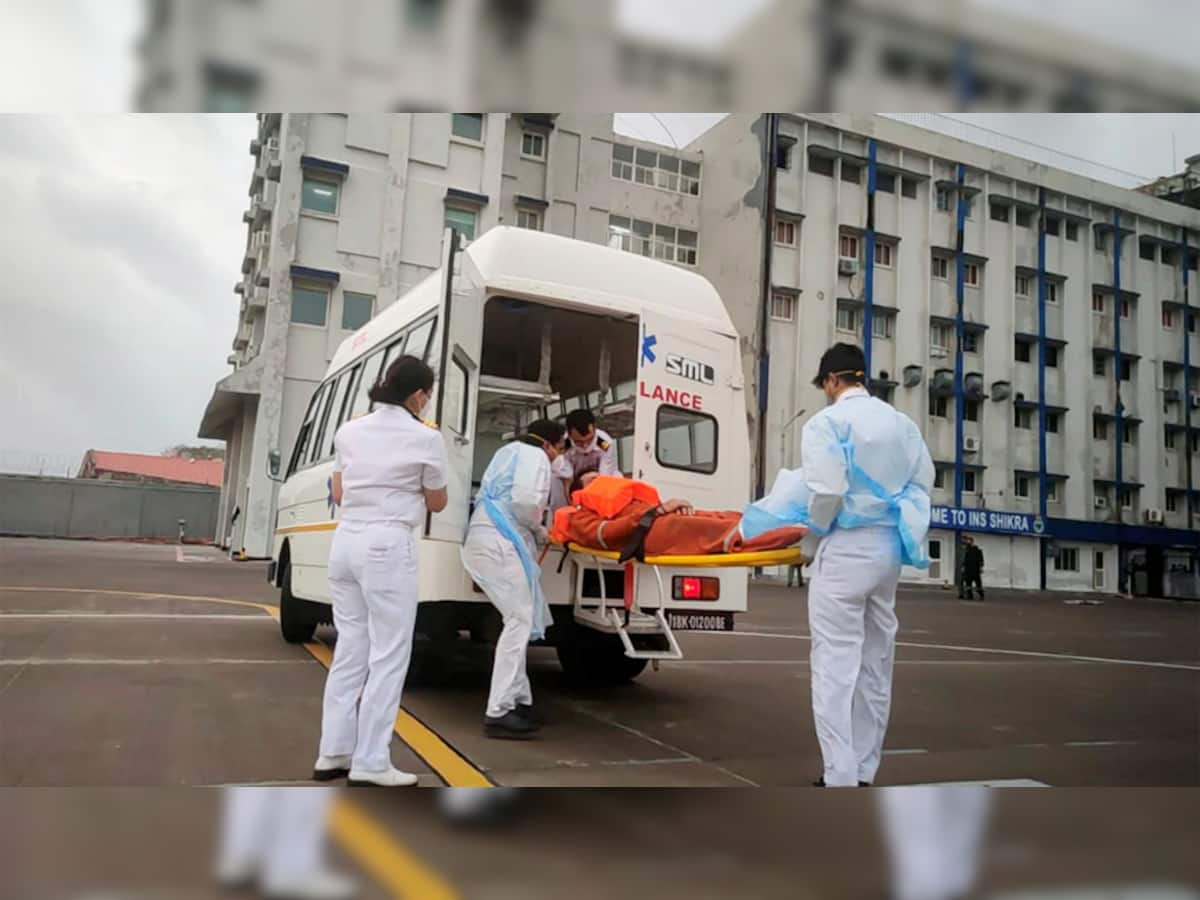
(521, 325)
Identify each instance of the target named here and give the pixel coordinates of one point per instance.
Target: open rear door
(456, 361)
(690, 438)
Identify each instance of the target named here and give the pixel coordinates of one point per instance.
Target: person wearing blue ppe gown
(500, 554)
(863, 493)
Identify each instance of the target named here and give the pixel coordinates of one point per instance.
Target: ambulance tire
(592, 658)
(298, 619)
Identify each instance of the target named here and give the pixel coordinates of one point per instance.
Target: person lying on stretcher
(620, 514)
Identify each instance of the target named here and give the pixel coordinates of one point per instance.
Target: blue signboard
(986, 520)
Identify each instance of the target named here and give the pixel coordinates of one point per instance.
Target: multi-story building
(1182, 187)
(1087, 348)
(347, 213)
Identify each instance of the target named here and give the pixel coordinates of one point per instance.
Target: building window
(847, 319)
(970, 410)
(1101, 242)
(533, 145)
(1172, 502)
(820, 165)
(686, 250)
(646, 239)
(1099, 366)
(851, 172)
(357, 310)
(319, 196)
(1194, 443)
(1051, 292)
(939, 339)
(1023, 418)
(1022, 286)
(1191, 323)
(1124, 308)
(941, 408)
(1066, 560)
(1021, 487)
(881, 327)
(661, 170)
(885, 182)
(969, 203)
(1052, 223)
(424, 14)
(468, 126)
(1126, 498)
(1051, 491)
(530, 219)
(883, 255)
(1021, 352)
(968, 482)
(1126, 369)
(999, 212)
(1052, 357)
(908, 188)
(1168, 319)
(1098, 304)
(942, 198)
(1099, 430)
(941, 268)
(970, 342)
(783, 155)
(1052, 423)
(1072, 231)
(971, 275)
(1169, 439)
(1129, 434)
(848, 247)
(622, 162)
(310, 306)
(783, 307)
(1146, 251)
(785, 233)
(462, 221)
(1024, 218)
(939, 483)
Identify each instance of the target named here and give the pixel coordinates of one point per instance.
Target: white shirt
(600, 457)
(387, 459)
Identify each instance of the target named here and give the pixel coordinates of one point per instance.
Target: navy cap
(841, 359)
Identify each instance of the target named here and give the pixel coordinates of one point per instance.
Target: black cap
(842, 359)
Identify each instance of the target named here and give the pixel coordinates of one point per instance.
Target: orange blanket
(605, 515)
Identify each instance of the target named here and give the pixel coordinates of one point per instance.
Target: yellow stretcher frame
(785, 557)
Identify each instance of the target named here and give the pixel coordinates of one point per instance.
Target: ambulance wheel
(298, 619)
(592, 658)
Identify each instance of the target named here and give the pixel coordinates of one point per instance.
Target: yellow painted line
(300, 529)
(384, 858)
(450, 765)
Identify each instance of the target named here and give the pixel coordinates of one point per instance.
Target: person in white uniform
(591, 452)
(390, 469)
(500, 554)
(864, 495)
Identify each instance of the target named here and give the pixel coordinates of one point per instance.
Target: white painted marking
(74, 661)
(1187, 667)
(1101, 743)
(664, 761)
(180, 556)
(200, 617)
(916, 751)
(992, 783)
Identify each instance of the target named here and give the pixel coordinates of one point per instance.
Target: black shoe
(511, 726)
(864, 784)
(531, 713)
(820, 782)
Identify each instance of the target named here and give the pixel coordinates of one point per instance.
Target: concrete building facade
(347, 213)
(1121, 391)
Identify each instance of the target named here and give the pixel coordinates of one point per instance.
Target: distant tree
(195, 452)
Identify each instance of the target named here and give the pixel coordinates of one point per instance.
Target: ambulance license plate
(689, 621)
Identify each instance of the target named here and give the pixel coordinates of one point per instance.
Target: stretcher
(644, 631)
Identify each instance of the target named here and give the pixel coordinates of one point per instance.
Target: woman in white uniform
(390, 470)
(500, 555)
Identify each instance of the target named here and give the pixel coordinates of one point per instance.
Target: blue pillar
(869, 279)
(959, 276)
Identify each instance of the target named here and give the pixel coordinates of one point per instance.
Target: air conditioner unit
(1020, 396)
(970, 445)
(1101, 502)
(847, 266)
(1154, 516)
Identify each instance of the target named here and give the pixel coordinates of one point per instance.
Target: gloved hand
(541, 536)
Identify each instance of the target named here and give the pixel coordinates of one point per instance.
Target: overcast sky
(123, 234)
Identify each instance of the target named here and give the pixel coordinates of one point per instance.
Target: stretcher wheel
(298, 619)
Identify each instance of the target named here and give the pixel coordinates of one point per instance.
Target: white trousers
(279, 832)
(493, 564)
(852, 621)
(934, 837)
(373, 580)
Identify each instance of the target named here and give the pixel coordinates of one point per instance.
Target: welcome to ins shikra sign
(986, 520)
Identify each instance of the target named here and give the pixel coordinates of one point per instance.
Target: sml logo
(691, 369)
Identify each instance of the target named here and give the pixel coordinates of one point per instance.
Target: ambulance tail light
(691, 587)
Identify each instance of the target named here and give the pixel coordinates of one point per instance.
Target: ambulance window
(455, 411)
(389, 356)
(417, 343)
(324, 441)
(306, 428)
(341, 404)
(370, 373)
(686, 440)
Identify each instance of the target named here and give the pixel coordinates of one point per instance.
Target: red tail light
(690, 587)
